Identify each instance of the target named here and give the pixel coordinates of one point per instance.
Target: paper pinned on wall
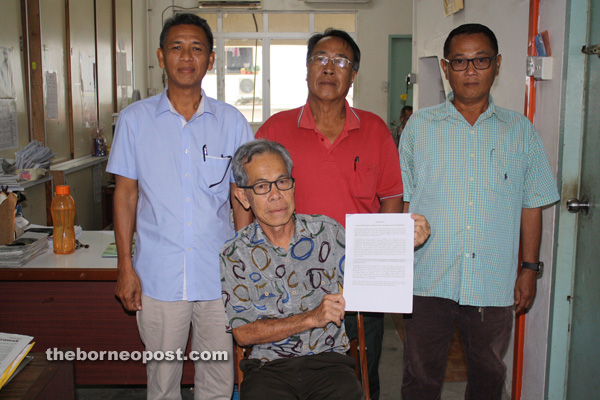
(7, 90)
(452, 6)
(8, 124)
(123, 70)
(51, 95)
(86, 67)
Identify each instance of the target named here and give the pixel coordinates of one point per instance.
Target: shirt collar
(448, 110)
(256, 235)
(307, 121)
(164, 105)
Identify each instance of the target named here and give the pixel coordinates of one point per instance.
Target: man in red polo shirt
(345, 161)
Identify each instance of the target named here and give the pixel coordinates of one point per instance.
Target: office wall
(11, 32)
(75, 43)
(376, 21)
(510, 21)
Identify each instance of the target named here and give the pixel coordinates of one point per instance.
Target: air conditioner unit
(337, 1)
(230, 3)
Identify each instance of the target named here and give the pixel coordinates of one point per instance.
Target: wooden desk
(41, 379)
(69, 301)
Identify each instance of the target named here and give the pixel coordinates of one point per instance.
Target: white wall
(509, 20)
(376, 21)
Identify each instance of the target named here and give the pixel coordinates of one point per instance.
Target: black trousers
(373, 342)
(326, 376)
(484, 332)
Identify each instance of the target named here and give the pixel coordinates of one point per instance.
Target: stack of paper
(13, 349)
(23, 249)
(34, 155)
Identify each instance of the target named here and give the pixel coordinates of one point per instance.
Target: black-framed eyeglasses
(228, 158)
(461, 64)
(339, 62)
(264, 187)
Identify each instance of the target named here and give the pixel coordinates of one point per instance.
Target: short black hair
(186, 19)
(404, 110)
(470, 29)
(338, 33)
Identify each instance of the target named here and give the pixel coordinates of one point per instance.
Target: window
(261, 58)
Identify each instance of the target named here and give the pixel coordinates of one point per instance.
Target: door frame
(412, 64)
(569, 174)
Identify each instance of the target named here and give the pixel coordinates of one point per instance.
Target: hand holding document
(378, 273)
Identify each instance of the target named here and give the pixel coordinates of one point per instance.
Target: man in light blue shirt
(171, 158)
(480, 175)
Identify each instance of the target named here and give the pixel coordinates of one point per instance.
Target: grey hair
(245, 152)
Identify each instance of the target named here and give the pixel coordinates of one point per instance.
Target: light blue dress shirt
(471, 182)
(183, 174)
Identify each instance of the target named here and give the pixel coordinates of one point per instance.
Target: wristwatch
(537, 267)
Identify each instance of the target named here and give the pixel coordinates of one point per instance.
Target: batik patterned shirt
(261, 281)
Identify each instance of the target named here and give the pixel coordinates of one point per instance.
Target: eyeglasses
(260, 188)
(461, 64)
(339, 62)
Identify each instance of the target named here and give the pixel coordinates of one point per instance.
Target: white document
(378, 273)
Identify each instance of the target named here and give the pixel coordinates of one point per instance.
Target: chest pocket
(364, 181)
(506, 173)
(214, 174)
(270, 298)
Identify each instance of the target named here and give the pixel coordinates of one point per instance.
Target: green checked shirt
(471, 183)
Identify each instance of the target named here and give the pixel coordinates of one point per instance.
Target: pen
(355, 162)
(204, 152)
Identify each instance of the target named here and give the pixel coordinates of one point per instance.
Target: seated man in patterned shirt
(281, 281)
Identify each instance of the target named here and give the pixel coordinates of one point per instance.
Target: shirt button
(266, 293)
(187, 175)
(467, 255)
(469, 227)
(472, 154)
(304, 347)
(294, 292)
(287, 260)
(187, 199)
(189, 249)
(470, 203)
(186, 151)
(189, 223)
(471, 179)
(322, 140)
(322, 282)
(472, 131)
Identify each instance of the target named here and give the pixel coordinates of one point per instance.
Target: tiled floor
(390, 374)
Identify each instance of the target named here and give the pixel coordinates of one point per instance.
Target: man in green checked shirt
(480, 176)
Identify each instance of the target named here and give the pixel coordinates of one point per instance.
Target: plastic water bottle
(63, 219)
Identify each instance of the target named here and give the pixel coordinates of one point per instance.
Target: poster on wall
(8, 124)
(7, 90)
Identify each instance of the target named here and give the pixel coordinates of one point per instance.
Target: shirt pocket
(270, 299)
(506, 172)
(214, 174)
(364, 180)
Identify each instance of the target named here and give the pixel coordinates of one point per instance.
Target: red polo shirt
(348, 176)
